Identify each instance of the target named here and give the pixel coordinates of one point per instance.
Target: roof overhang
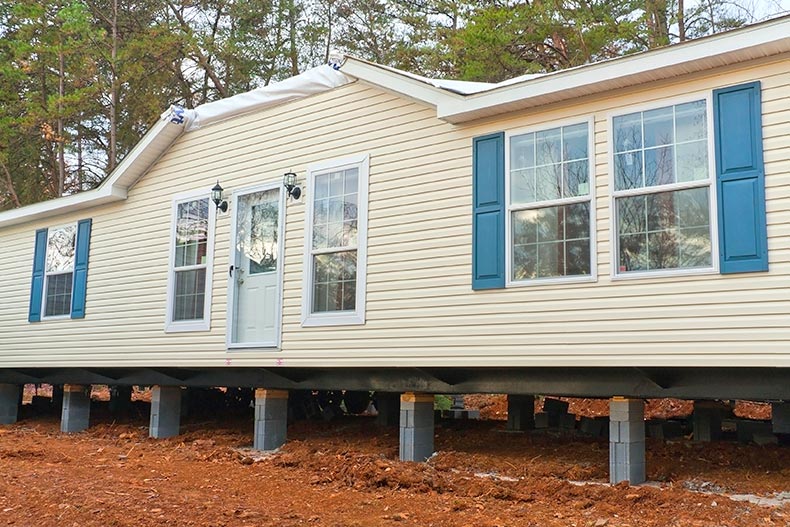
(753, 42)
(454, 101)
(114, 188)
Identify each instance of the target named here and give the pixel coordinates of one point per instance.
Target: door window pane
(257, 230)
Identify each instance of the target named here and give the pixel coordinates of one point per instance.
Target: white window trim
(338, 318)
(614, 244)
(240, 346)
(172, 326)
(593, 276)
(47, 275)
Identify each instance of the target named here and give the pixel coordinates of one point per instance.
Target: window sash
(193, 204)
(357, 168)
(672, 187)
(559, 202)
(45, 301)
(645, 188)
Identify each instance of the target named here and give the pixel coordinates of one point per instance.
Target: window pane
(659, 166)
(576, 178)
(659, 128)
(577, 257)
(60, 249)
(522, 151)
(628, 170)
(692, 161)
(666, 230)
(335, 217)
(192, 233)
(334, 281)
(522, 185)
(551, 241)
(574, 141)
(547, 146)
(548, 182)
(627, 132)
(190, 294)
(336, 184)
(631, 216)
(691, 121)
(351, 181)
(58, 301)
(321, 186)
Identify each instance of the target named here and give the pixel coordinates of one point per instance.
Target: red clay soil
(346, 474)
(495, 407)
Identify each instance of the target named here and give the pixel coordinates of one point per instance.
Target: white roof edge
(402, 83)
(773, 36)
(114, 188)
(732, 43)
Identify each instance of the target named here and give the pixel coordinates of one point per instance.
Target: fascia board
(392, 81)
(53, 207)
(771, 37)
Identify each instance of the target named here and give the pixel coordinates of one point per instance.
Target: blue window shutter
(488, 224)
(740, 179)
(37, 283)
(81, 269)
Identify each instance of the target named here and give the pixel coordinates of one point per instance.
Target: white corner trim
(339, 318)
(172, 326)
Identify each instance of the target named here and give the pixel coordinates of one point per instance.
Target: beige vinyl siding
(420, 308)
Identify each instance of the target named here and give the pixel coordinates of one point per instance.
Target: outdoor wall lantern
(289, 182)
(217, 198)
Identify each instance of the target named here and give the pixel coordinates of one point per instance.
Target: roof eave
(114, 188)
(750, 43)
(395, 82)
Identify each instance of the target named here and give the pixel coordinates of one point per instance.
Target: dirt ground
(346, 473)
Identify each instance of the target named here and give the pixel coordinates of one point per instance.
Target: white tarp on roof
(310, 82)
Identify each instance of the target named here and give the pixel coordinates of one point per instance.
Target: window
(550, 204)
(662, 189)
(335, 243)
(189, 288)
(59, 270)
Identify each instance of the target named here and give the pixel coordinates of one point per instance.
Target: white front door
(255, 272)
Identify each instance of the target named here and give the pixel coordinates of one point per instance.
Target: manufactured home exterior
(427, 247)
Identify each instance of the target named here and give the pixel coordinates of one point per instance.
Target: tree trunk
(294, 52)
(112, 155)
(681, 21)
(10, 185)
(59, 138)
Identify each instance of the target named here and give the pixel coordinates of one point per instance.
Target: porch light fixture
(217, 198)
(289, 182)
